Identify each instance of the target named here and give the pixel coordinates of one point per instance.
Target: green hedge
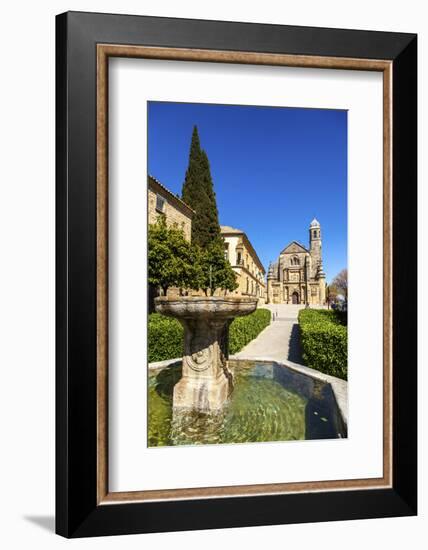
(324, 339)
(165, 335)
(244, 329)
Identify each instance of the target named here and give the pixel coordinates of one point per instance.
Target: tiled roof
(175, 197)
(297, 243)
(229, 229)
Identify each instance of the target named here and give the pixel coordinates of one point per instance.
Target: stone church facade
(297, 277)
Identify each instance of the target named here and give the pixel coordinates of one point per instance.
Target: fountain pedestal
(206, 380)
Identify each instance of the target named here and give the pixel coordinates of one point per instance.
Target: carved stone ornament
(206, 381)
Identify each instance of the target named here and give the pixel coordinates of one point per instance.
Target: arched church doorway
(295, 298)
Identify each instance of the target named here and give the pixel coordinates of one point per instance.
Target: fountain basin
(205, 307)
(206, 381)
(271, 402)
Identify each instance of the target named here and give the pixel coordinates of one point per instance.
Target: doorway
(295, 298)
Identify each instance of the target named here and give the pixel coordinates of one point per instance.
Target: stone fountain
(206, 380)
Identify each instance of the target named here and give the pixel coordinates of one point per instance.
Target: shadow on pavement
(294, 350)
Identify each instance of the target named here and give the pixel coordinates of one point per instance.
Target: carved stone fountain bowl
(205, 307)
(206, 382)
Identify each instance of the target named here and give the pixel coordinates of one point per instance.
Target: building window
(160, 204)
(226, 251)
(295, 261)
(239, 259)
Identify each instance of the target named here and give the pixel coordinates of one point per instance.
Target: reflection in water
(262, 407)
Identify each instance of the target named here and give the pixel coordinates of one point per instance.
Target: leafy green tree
(341, 283)
(170, 257)
(174, 262)
(331, 294)
(213, 269)
(198, 193)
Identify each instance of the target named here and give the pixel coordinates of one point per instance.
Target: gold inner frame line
(104, 51)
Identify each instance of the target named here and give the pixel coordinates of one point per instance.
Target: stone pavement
(280, 341)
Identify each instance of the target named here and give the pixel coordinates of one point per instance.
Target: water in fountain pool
(268, 403)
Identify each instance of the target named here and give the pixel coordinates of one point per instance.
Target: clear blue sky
(274, 170)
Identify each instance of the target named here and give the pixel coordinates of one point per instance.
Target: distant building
(297, 277)
(245, 262)
(161, 202)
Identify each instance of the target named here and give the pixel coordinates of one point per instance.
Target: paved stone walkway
(280, 340)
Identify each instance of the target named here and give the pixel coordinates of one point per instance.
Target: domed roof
(315, 223)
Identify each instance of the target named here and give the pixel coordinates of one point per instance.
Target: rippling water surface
(260, 409)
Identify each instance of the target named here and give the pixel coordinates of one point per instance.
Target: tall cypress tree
(212, 269)
(198, 193)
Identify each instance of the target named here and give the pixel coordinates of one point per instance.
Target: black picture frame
(77, 512)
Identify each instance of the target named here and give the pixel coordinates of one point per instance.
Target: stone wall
(173, 215)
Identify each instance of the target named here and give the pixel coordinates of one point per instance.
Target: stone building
(245, 263)
(161, 202)
(297, 277)
(238, 249)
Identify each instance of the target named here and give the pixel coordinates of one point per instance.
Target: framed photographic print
(236, 274)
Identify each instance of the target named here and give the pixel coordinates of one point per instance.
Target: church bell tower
(315, 244)
(316, 257)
